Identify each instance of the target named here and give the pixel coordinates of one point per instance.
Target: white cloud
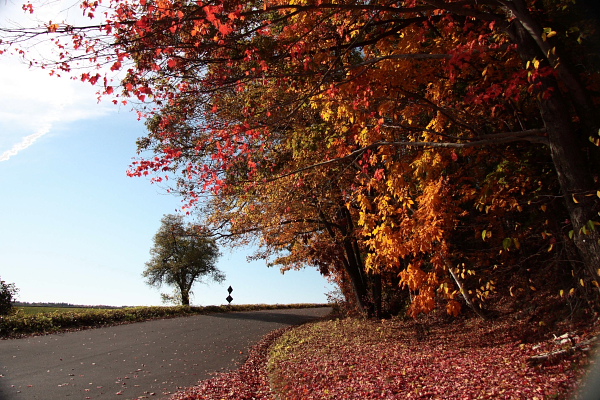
(25, 143)
(32, 103)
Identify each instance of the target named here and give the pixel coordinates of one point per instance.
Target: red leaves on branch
(116, 66)
(94, 79)
(28, 8)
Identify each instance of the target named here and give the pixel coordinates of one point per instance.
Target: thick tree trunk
(185, 298)
(355, 271)
(356, 262)
(575, 181)
(351, 260)
(565, 141)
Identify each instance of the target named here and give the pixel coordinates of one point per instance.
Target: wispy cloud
(33, 104)
(25, 143)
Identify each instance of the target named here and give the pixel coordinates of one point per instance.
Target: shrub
(8, 291)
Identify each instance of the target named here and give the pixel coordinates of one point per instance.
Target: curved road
(142, 360)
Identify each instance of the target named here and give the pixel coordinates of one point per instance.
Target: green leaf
(591, 225)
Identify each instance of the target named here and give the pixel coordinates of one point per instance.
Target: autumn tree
(181, 256)
(368, 115)
(450, 139)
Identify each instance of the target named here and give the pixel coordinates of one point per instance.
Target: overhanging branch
(531, 135)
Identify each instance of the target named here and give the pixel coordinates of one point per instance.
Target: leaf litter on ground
(401, 359)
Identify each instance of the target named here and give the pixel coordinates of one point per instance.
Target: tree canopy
(181, 256)
(422, 151)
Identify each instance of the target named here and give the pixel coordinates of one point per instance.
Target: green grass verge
(32, 310)
(65, 319)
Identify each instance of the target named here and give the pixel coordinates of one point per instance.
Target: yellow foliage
(453, 308)
(413, 277)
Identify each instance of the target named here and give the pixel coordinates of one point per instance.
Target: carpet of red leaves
(399, 359)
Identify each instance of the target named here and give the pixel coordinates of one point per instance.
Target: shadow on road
(292, 318)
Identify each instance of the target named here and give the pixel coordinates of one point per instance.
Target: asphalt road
(142, 360)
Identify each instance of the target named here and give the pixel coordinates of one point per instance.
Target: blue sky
(73, 227)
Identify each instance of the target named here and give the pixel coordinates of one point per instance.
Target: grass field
(32, 310)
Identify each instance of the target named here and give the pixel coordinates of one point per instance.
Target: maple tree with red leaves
(421, 151)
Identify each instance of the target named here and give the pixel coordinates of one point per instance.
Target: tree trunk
(572, 87)
(356, 261)
(576, 183)
(356, 273)
(566, 146)
(185, 298)
(376, 289)
(465, 294)
(351, 261)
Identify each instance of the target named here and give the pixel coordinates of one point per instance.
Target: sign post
(229, 298)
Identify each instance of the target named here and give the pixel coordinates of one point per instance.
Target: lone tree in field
(181, 255)
(8, 291)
